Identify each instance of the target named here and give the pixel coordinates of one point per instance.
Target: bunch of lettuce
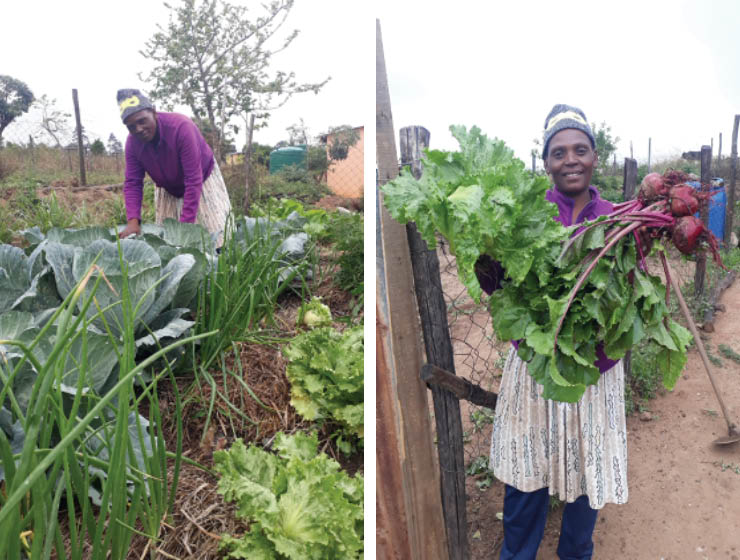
(325, 370)
(314, 314)
(300, 504)
(483, 201)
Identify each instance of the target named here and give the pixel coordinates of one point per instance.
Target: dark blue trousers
(525, 514)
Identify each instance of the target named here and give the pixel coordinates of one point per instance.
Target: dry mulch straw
(200, 515)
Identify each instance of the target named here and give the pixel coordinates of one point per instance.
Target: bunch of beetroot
(670, 195)
(665, 206)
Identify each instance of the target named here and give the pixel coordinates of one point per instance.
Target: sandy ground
(683, 490)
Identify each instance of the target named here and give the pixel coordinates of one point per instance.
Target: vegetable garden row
(130, 365)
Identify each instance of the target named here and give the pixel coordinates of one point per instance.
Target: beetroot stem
(633, 226)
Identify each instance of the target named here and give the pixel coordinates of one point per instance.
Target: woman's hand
(133, 227)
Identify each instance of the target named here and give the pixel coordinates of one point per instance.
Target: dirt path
(684, 493)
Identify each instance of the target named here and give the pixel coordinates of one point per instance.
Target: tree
(97, 148)
(53, 121)
(213, 57)
(15, 99)
(114, 145)
(342, 139)
(605, 144)
(297, 133)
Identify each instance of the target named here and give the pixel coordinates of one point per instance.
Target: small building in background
(346, 177)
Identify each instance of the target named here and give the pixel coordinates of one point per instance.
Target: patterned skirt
(574, 449)
(213, 210)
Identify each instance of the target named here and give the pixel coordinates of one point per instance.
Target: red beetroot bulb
(683, 201)
(686, 234)
(652, 187)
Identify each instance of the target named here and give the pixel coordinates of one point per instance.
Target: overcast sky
(94, 46)
(661, 70)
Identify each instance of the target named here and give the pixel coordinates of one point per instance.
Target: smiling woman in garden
(576, 451)
(171, 149)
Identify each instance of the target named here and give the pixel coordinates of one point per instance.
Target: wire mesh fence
(346, 177)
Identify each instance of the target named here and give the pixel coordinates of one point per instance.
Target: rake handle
(699, 343)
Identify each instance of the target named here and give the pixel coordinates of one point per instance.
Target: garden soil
(683, 491)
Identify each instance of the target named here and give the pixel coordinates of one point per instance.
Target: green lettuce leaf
(299, 502)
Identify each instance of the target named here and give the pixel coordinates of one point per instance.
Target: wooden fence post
(628, 193)
(730, 188)
(409, 519)
(650, 147)
(701, 259)
(247, 165)
(630, 178)
(719, 150)
(433, 313)
(80, 147)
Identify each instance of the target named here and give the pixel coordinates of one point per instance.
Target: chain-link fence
(30, 151)
(346, 177)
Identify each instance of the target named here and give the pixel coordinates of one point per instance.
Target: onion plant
(88, 457)
(238, 299)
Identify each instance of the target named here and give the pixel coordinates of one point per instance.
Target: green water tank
(291, 155)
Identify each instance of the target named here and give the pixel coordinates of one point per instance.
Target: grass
(729, 353)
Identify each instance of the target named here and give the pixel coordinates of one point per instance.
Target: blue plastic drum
(717, 206)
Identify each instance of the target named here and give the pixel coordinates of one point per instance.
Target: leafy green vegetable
(314, 314)
(483, 201)
(300, 504)
(325, 370)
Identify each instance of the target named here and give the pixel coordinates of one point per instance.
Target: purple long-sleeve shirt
(490, 273)
(178, 160)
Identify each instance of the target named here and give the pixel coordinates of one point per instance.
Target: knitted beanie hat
(562, 117)
(132, 101)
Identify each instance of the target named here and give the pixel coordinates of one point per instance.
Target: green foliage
(731, 258)
(645, 374)
(313, 314)
(346, 232)
(97, 148)
(606, 145)
(342, 139)
(290, 183)
(610, 186)
(213, 57)
(478, 468)
(219, 143)
(729, 353)
(317, 161)
(259, 261)
(299, 503)
(15, 99)
(325, 370)
(481, 417)
(69, 421)
(483, 201)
